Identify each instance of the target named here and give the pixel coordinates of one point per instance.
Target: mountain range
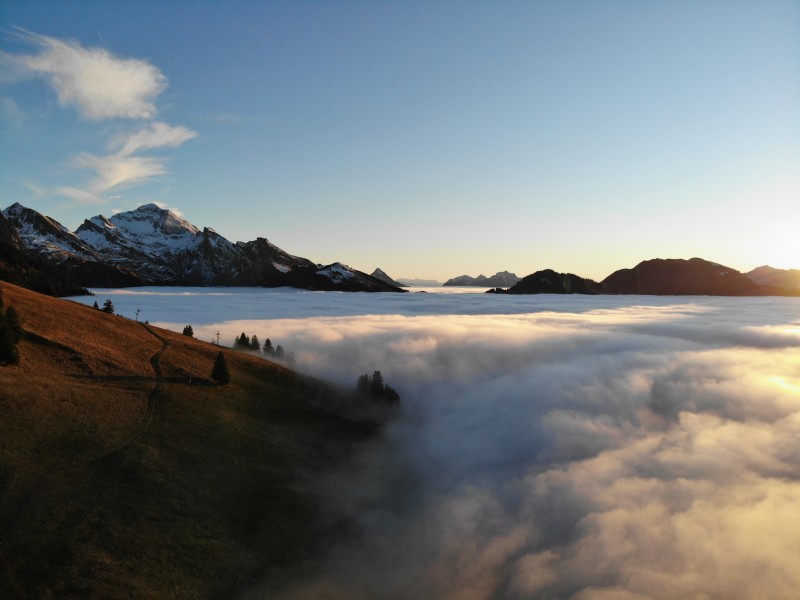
(154, 246)
(501, 279)
(666, 277)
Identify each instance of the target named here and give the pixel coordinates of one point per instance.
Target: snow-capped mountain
(45, 235)
(78, 263)
(152, 245)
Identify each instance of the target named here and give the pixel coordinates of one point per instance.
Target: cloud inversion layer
(628, 452)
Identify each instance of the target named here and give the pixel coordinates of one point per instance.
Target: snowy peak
(147, 229)
(150, 219)
(45, 235)
(156, 246)
(337, 272)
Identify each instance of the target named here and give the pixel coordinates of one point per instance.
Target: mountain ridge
(153, 246)
(655, 277)
(499, 279)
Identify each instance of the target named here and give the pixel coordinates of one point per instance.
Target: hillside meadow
(121, 479)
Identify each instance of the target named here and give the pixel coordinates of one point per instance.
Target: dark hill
(382, 275)
(120, 479)
(678, 277)
(766, 275)
(550, 282)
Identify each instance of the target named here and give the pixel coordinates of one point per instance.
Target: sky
(580, 447)
(431, 139)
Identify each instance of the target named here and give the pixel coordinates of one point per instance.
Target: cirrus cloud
(122, 169)
(98, 84)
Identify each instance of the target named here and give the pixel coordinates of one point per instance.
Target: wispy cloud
(99, 86)
(11, 115)
(123, 169)
(79, 196)
(96, 83)
(157, 135)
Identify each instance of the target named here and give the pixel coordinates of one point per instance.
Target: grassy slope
(101, 499)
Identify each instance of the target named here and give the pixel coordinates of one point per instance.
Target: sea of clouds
(547, 446)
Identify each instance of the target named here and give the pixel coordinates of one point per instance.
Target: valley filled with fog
(583, 447)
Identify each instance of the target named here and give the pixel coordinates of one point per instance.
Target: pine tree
(279, 352)
(268, 349)
(188, 331)
(254, 344)
(108, 306)
(94, 306)
(376, 386)
(242, 342)
(390, 395)
(362, 387)
(220, 371)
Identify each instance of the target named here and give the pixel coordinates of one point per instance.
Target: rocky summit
(154, 246)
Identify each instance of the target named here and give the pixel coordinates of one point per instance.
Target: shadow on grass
(182, 380)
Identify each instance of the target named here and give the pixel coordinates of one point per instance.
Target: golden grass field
(120, 479)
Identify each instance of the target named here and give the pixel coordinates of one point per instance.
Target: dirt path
(122, 444)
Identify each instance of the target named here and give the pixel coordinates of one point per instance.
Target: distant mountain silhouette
(380, 274)
(416, 282)
(550, 282)
(663, 277)
(500, 279)
(766, 275)
(679, 277)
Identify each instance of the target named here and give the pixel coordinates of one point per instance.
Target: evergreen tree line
(10, 334)
(252, 344)
(376, 389)
(108, 306)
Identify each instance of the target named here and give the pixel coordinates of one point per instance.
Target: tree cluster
(252, 344)
(188, 331)
(376, 389)
(10, 334)
(108, 306)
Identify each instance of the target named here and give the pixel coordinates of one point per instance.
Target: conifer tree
(108, 306)
(268, 349)
(279, 352)
(376, 387)
(254, 343)
(362, 387)
(242, 342)
(94, 306)
(188, 331)
(220, 371)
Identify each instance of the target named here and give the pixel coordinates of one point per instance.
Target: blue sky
(431, 139)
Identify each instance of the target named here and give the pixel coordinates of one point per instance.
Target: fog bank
(630, 449)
